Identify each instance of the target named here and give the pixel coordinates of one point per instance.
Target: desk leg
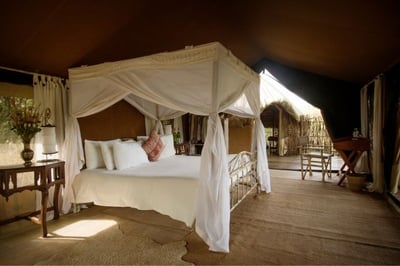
(55, 201)
(43, 212)
(341, 179)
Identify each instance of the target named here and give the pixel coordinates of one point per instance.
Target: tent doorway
(286, 117)
(270, 119)
(281, 129)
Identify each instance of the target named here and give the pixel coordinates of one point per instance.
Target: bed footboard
(243, 176)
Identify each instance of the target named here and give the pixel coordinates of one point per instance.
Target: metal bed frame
(243, 177)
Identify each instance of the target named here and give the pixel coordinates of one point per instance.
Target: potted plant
(25, 121)
(356, 181)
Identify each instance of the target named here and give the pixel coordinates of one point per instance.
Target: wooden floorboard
(308, 222)
(293, 162)
(300, 222)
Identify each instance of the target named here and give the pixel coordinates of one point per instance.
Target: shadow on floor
(292, 162)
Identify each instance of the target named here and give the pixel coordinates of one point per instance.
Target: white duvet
(168, 186)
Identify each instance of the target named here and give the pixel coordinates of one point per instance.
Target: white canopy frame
(203, 80)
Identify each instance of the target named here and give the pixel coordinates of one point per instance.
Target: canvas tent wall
(203, 80)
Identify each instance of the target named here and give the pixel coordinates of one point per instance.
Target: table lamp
(49, 142)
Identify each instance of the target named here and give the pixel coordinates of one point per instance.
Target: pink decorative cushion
(153, 146)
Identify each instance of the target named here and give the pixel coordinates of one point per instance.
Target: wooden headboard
(240, 138)
(120, 120)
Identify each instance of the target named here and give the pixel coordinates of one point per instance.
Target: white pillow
(93, 155)
(108, 153)
(169, 148)
(128, 154)
(142, 139)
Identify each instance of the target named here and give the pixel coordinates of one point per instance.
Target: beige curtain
(377, 134)
(395, 175)
(362, 164)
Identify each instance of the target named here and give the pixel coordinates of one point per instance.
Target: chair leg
(330, 167)
(309, 168)
(303, 172)
(302, 165)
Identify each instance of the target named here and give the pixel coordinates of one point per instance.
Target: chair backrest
(273, 138)
(328, 149)
(303, 140)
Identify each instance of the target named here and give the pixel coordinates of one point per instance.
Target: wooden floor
(299, 222)
(293, 162)
(308, 222)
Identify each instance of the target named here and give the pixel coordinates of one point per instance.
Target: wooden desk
(45, 175)
(350, 149)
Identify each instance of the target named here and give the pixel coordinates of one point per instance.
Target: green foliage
(7, 135)
(268, 132)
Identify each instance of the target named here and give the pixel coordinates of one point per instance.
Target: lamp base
(47, 160)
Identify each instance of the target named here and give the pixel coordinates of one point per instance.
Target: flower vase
(27, 153)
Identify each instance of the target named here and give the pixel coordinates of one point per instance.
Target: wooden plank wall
(121, 120)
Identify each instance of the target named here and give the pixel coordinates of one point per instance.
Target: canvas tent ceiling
(346, 40)
(206, 80)
(343, 44)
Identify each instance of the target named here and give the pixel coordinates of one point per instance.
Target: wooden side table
(45, 175)
(181, 148)
(350, 149)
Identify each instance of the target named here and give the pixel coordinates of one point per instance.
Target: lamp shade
(49, 140)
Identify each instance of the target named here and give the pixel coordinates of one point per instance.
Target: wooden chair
(273, 144)
(315, 156)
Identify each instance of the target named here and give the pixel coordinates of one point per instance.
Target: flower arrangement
(24, 120)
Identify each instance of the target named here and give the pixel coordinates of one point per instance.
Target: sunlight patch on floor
(85, 228)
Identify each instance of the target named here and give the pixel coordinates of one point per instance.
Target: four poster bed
(203, 80)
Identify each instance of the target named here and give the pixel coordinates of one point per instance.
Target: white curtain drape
(377, 134)
(259, 143)
(226, 133)
(151, 124)
(75, 158)
(50, 92)
(212, 205)
(248, 105)
(202, 80)
(153, 113)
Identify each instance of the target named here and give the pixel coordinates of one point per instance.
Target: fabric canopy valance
(203, 80)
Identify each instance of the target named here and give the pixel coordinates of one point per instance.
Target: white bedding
(168, 186)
